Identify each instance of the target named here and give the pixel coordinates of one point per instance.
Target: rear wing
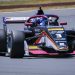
(7, 20)
(12, 20)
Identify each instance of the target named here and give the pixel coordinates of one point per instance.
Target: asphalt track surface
(39, 65)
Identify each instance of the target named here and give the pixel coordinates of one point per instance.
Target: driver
(39, 21)
(42, 22)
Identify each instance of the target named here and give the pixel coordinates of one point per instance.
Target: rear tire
(3, 41)
(73, 45)
(70, 40)
(17, 44)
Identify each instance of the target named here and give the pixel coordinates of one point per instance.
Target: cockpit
(43, 20)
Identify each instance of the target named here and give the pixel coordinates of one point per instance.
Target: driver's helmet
(41, 19)
(38, 18)
(50, 19)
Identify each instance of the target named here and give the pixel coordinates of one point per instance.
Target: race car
(42, 35)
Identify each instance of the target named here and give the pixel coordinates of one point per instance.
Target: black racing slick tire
(3, 41)
(71, 46)
(70, 40)
(17, 44)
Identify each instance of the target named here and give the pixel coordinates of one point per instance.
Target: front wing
(35, 50)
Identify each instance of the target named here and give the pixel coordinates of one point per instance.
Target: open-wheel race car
(42, 35)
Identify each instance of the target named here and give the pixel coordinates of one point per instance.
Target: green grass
(17, 2)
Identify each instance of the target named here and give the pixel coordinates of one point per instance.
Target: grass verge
(17, 2)
(26, 2)
(36, 8)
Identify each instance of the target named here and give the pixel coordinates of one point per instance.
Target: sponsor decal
(50, 29)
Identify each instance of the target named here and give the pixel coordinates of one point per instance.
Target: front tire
(17, 44)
